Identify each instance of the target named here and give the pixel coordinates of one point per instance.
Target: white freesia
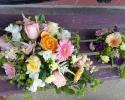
(15, 31)
(46, 54)
(33, 75)
(93, 69)
(64, 68)
(50, 79)
(54, 65)
(122, 46)
(53, 28)
(36, 83)
(75, 58)
(64, 34)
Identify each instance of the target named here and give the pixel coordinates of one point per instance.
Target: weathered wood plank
(7, 89)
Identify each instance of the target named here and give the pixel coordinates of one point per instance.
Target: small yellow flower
(50, 79)
(34, 64)
(122, 46)
(78, 74)
(54, 66)
(105, 59)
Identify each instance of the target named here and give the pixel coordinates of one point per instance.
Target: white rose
(53, 28)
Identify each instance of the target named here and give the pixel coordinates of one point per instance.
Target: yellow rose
(48, 42)
(34, 64)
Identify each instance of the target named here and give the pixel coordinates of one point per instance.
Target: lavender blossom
(116, 29)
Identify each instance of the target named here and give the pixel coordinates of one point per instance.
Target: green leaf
(68, 90)
(2, 59)
(122, 71)
(95, 84)
(28, 96)
(75, 40)
(40, 18)
(82, 90)
(58, 90)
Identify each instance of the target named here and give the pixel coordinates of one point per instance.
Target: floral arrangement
(110, 47)
(38, 54)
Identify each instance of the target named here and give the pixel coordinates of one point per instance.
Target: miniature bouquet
(38, 54)
(110, 47)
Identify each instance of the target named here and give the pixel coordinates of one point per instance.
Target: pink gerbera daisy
(64, 50)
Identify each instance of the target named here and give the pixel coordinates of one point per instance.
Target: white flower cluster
(11, 53)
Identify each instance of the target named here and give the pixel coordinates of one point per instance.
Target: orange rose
(48, 42)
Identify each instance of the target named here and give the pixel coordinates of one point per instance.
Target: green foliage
(122, 71)
(24, 36)
(2, 59)
(28, 96)
(40, 18)
(68, 90)
(82, 90)
(45, 71)
(65, 89)
(75, 40)
(94, 83)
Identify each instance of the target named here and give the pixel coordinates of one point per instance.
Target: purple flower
(4, 45)
(119, 61)
(99, 46)
(10, 70)
(116, 29)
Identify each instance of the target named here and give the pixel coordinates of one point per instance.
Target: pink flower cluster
(10, 70)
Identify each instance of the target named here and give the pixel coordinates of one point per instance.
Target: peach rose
(48, 42)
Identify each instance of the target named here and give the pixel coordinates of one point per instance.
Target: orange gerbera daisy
(114, 39)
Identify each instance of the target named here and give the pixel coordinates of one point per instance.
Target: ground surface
(110, 90)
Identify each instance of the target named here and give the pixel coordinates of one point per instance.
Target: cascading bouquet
(110, 47)
(36, 53)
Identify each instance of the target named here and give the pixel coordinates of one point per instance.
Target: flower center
(65, 50)
(114, 42)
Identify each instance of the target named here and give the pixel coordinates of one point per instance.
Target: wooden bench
(83, 20)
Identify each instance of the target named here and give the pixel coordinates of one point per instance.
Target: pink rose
(101, 32)
(32, 30)
(59, 79)
(10, 70)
